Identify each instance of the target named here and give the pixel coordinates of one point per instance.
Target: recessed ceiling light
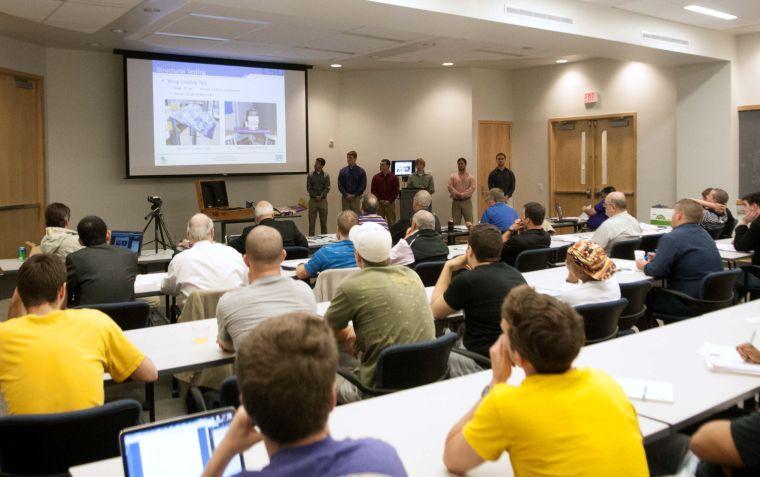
(151, 9)
(710, 12)
(336, 65)
(95, 44)
(448, 63)
(561, 61)
(118, 30)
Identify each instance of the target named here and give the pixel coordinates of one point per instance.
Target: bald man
(206, 265)
(264, 214)
(269, 293)
(619, 226)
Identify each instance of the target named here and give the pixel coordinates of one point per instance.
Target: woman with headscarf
(589, 277)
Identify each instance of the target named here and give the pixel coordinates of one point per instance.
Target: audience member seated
(386, 303)
(421, 201)
(99, 273)
(619, 226)
(422, 242)
(59, 240)
(264, 215)
(730, 447)
(589, 275)
(286, 374)
(369, 207)
(479, 291)
(684, 257)
(596, 213)
(747, 234)
(53, 359)
(206, 265)
(525, 233)
(714, 215)
(270, 293)
(334, 255)
(498, 212)
(560, 420)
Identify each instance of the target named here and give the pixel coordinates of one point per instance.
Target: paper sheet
(725, 359)
(647, 390)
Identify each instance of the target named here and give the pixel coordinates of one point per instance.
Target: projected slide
(206, 114)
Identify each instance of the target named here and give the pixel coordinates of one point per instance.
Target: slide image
(250, 123)
(191, 122)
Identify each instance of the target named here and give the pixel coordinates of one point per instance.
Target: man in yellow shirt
(52, 359)
(560, 421)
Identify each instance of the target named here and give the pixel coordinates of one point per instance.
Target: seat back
(535, 259)
(296, 252)
(229, 394)
(560, 254)
(636, 294)
(649, 242)
(623, 249)
(129, 315)
(328, 282)
(409, 365)
(39, 444)
(429, 272)
(600, 320)
(230, 237)
(719, 287)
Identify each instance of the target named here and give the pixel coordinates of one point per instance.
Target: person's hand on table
(501, 363)
(749, 353)
(641, 263)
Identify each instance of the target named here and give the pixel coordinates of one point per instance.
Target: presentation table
(249, 220)
(415, 422)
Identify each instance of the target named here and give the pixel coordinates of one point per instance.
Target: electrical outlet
(540, 187)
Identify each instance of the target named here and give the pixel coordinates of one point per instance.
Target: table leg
(151, 399)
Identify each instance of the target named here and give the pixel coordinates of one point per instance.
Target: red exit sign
(590, 97)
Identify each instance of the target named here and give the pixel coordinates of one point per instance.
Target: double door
(588, 154)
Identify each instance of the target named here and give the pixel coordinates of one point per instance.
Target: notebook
(129, 240)
(176, 447)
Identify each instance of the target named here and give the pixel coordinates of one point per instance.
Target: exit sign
(590, 97)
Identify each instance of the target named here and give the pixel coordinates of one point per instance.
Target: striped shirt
(373, 218)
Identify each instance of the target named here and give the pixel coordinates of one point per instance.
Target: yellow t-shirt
(55, 362)
(579, 423)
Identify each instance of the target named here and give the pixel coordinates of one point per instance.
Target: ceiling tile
(246, 49)
(109, 3)
(35, 10)
(89, 18)
(180, 43)
(282, 34)
(353, 43)
(389, 33)
(213, 27)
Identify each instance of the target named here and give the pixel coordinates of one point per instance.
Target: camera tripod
(161, 234)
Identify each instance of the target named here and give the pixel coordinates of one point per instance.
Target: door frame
(550, 144)
(480, 201)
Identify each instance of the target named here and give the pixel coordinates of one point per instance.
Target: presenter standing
(420, 179)
(385, 187)
(461, 188)
(318, 186)
(352, 182)
(502, 177)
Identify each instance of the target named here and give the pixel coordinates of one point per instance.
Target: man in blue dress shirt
(352, 181)
(498, 213)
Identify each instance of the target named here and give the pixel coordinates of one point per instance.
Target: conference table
(414, 421)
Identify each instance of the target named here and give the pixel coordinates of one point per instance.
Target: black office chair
(534, 259)
(129, 315)
(429, 272)
(560, 255)
(600, 320)
(745, 287)
(636, 294)
(296, 252)
(48, 444)
(229, 394)
(230, 237)
(716, 293)
(408, 365)
(649, 242)
(623, 249)
(728, 229)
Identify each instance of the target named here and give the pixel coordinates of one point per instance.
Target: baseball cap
(371, 241)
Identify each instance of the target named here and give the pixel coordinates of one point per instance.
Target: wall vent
(538, 15)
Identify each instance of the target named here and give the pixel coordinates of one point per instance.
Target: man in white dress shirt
(619, 226)
(206, 265)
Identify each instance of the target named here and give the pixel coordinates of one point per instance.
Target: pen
(752, 339)
(644, 394)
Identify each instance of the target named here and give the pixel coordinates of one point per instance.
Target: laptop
(129, 240)
(176, 447)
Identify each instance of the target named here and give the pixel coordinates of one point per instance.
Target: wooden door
(22, 166)
(589, 154)
(493, 137)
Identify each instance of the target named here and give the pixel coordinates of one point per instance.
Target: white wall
(748, 69)
(20, 56)
(624, 87)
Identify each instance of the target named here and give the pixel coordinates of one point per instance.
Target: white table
(415, 422)
(148, 257)
(729, 253)
(550, 281)
(148, 284)
(669, 354)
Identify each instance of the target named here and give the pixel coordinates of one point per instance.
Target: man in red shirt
(385, 187)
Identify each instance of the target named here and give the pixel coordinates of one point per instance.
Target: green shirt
(388, 305)
(424, 181)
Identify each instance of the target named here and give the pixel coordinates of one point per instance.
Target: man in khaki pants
(318, 186)
(352, 181)
(461, 187)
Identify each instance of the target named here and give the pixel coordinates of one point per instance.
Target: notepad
(725, 359)
(726, 247)
(647, 390)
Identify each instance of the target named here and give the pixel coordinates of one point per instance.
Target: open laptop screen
(177, 447)
(129, 240)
